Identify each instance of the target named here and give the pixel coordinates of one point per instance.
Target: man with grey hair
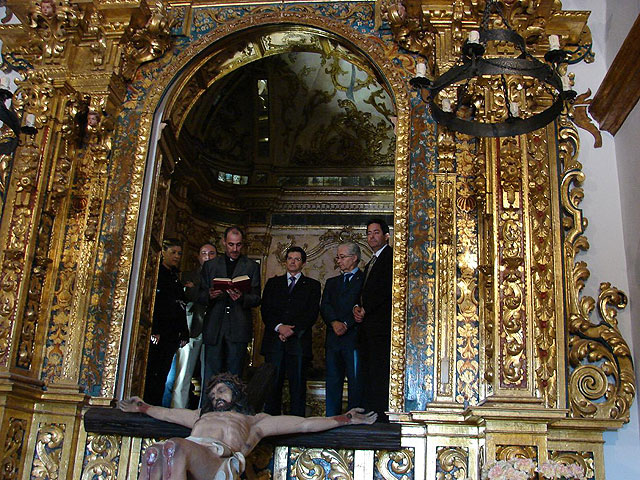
(341, 294)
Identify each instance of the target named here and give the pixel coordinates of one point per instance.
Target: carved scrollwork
(467, 251)
(9, 281)
(452, 462)
(446, 283)
(578, 113)
(412, 29)
(34, 95)
(99, 461)
(513, 333)
(486, 284)
(583, 459)
(591, 394)
(601, 382)
(39, 269)
(311, 464)
(395, 465)
(542, 269)
(92, 26)
(508, 452)
(46, 463)
(330, 238)
(148, 40)
(52, 24)
(12, 451)
(69, 133)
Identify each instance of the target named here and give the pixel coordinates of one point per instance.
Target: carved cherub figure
(48, 8)
(93, 119)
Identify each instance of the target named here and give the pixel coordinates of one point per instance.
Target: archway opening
(295, 144)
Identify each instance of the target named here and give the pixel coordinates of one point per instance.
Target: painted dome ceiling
(296, 111)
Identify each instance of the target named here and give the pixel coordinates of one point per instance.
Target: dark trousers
(225, 356)
(375, 353)
(158, 366)
(294, 368)
(342, 360)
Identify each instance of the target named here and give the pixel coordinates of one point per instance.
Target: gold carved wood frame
(179, 81)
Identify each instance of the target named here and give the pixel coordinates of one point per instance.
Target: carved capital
(149, 37)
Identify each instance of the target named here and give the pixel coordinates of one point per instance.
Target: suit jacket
(337, 303)
(300, 308)
(376, 297)
(240, 310)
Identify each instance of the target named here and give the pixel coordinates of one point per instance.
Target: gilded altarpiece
(494, 352)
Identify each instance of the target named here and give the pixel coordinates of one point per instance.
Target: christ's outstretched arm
(284, 424)
(181, 416)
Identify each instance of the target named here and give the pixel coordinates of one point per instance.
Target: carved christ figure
(223, 433)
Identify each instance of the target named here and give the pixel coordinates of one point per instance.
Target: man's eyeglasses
(342, 257)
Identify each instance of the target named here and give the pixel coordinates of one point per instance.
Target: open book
(241, 282)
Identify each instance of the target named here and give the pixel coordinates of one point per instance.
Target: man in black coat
(289, 310)
(228, 325)
(374, 316)
(169, 329)
(340, 294)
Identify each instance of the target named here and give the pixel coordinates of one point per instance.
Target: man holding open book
(230, 285)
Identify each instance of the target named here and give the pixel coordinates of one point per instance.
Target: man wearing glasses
(340, 295)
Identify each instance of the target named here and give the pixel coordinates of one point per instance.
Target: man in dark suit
(290, 305)
(374, 316)
(340, 295)
(169, 328)
(228, 326)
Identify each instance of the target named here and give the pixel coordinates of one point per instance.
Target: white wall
(614, 218)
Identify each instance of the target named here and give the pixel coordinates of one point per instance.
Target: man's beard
(221, 405)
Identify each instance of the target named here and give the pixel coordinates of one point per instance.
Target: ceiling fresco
(295, 111)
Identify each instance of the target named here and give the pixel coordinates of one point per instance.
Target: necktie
(292, 284)
(369, 267)
(347, 278)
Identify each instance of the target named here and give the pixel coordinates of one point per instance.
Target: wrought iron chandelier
(462, 114)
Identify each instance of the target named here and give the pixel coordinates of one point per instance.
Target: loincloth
(233, 463)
